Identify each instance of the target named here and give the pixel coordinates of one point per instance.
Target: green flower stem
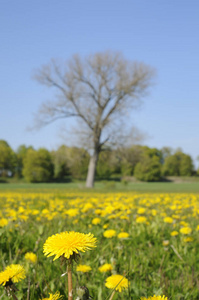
(70, 284)
(112, 295)
(10, 289)
(14, 296)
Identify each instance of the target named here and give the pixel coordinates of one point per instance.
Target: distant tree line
(142, 162)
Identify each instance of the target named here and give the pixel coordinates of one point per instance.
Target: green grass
(108, 186)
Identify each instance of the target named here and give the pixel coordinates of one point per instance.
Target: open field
(109, 186)
(152, 238)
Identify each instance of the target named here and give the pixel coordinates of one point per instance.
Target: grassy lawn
(109, 186)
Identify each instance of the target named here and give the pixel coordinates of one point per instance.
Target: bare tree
(100, 91)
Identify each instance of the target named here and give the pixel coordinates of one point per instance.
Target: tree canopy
(7, 159)
(100, 91)
(38, 166)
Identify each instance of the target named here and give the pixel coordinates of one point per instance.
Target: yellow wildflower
(105, 268)
(12, 272)
(31, 257)
(109, 233)
(185, 230)
(105, 226)
(123, 235)
(141, 219)
(83, 268)
(117, 282)
(174, 233)
(168, 220)
(56, 296)
(141, 210)
(96, 221)
(3, 222)
(124, 218)
(155, 298)
(188, 239)
(68, 243)
(72, 212)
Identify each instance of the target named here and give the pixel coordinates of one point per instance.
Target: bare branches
(97, 90)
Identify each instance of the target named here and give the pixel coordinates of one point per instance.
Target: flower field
(151, 241)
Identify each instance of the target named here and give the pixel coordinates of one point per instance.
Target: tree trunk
(92, 169)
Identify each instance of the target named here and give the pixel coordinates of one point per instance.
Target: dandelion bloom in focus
(186, 230)
(68, 243)
(83, 268)
(117, 282)
(109, 233)
(105, 268)
(12, 272)
(31, 257)
(123, 235)
(155, 298)
(56, 296)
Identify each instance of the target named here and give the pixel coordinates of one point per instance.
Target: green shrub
(178, 164)
(148, 169)
(38, 166)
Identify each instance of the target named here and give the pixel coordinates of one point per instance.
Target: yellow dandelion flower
(155, 298)
(141, 210)
(56, 296)
(67, 243)
(31, 257)
(96, 221)
(141, 219)
(117, 282)
(154, 212)
(3, 222)
(174, 233)
(124, 218)
(188, 239)
(105, 268)
(123, 235)
(87, 207)
(168, 220)
(12, 272)
(109, 233)
(83, 268)
(185, 230)
(197, 228)
(98, 211)
(105, 226)
(72, 212)
(23, 217)
(35, 212)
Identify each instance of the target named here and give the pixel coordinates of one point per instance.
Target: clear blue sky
(161, 33)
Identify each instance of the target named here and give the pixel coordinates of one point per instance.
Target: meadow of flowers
(105, 246)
